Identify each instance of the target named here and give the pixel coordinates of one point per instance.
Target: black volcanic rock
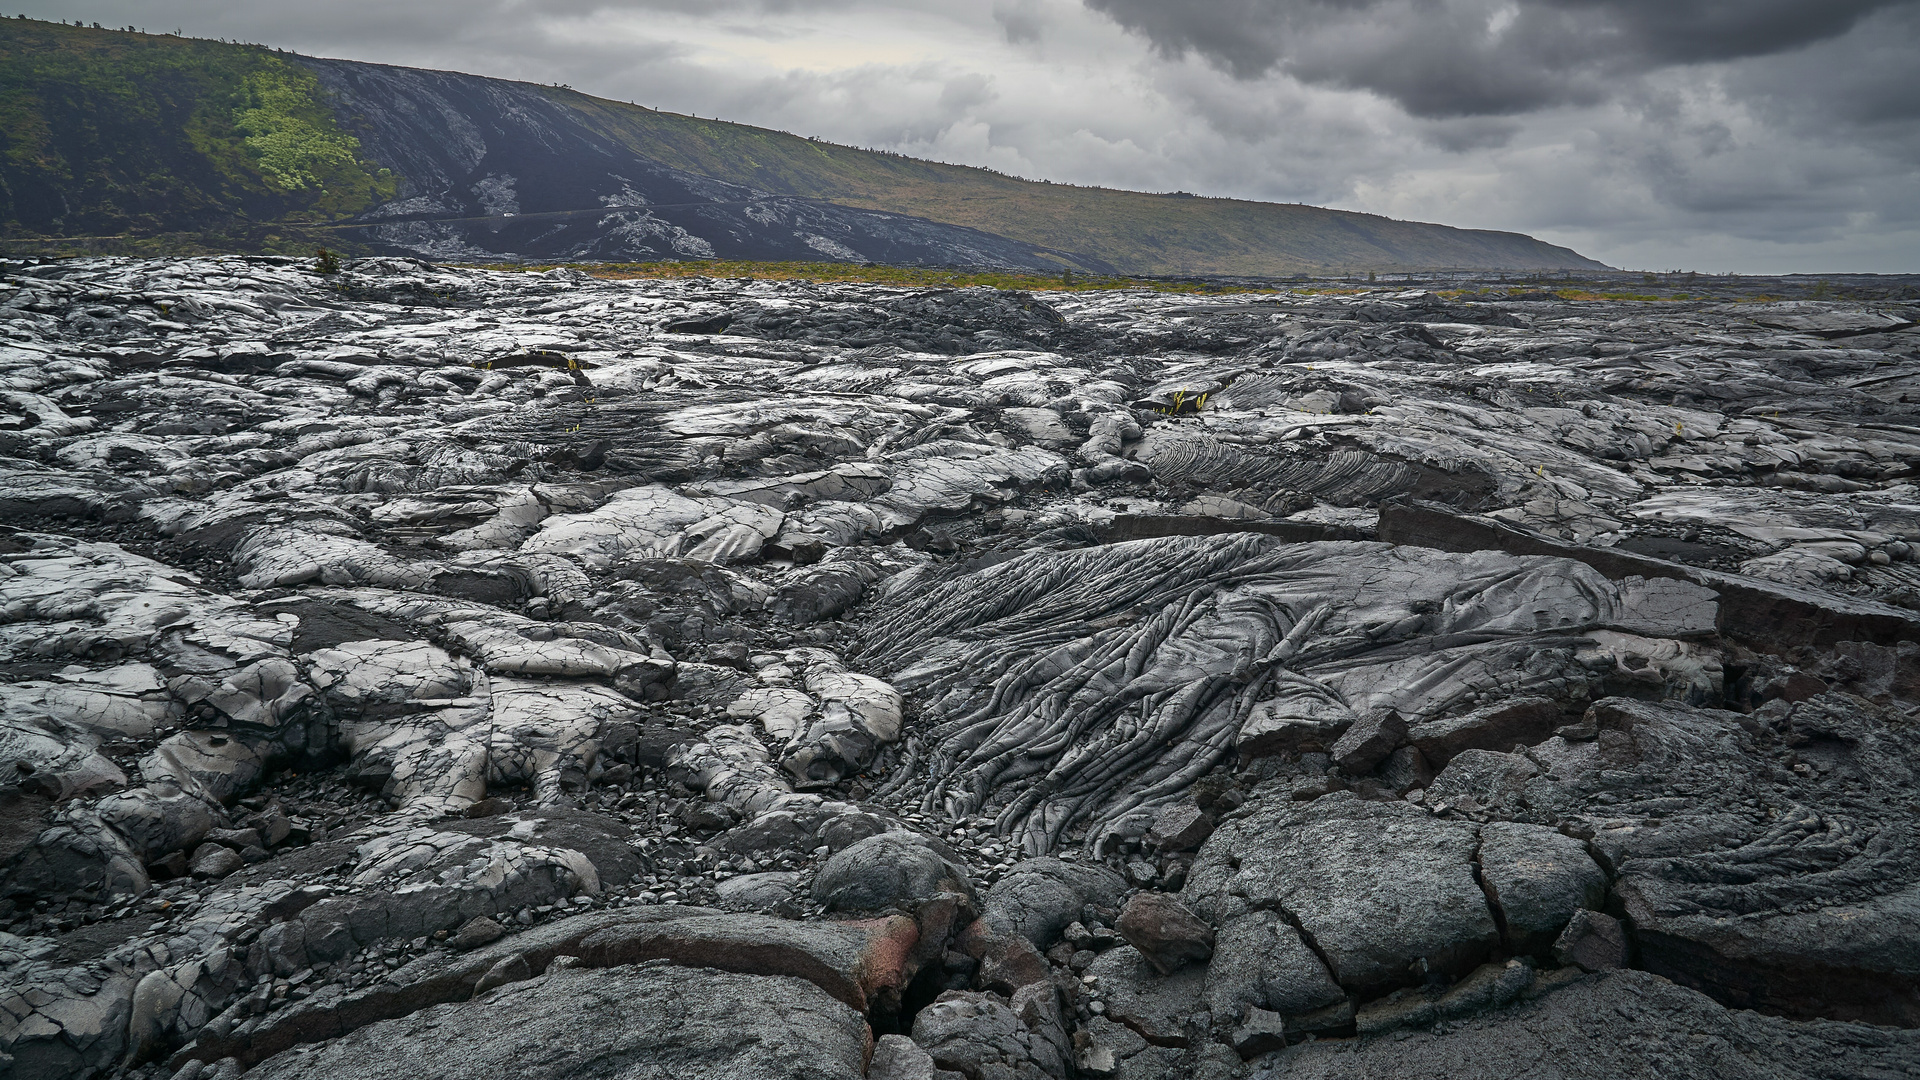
(1617, 1024)
(667, 1022)
(345, 630)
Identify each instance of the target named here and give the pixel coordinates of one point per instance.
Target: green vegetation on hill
(105, 132)
(1137, 232)
(295, 144)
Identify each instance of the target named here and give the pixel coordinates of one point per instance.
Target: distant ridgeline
(136, 142)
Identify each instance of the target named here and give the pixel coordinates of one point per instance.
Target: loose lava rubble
(435, 672)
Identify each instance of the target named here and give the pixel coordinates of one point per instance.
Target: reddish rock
(1007, 961)
(1164, 931)
(1180, 827)
(866, 964)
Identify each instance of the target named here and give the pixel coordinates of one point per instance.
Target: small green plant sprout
(326, 263)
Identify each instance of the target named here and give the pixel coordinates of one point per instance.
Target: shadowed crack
(1493, 899)
(1306, 938)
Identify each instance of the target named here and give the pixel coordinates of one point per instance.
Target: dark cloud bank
(1449, 58)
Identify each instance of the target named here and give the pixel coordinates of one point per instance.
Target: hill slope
(505, 168)
(111, 133)
(1136, 231)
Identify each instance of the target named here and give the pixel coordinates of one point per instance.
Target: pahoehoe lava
(423, 671)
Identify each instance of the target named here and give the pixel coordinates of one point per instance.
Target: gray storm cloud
(1450, 58)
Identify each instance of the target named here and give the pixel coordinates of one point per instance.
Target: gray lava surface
(425, 671)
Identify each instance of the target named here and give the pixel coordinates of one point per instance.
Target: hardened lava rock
(550, 675)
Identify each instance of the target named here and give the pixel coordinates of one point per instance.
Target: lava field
(421, 671)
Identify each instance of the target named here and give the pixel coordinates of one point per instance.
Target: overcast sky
(1763, 136)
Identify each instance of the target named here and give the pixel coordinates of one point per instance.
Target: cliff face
(110, 133)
